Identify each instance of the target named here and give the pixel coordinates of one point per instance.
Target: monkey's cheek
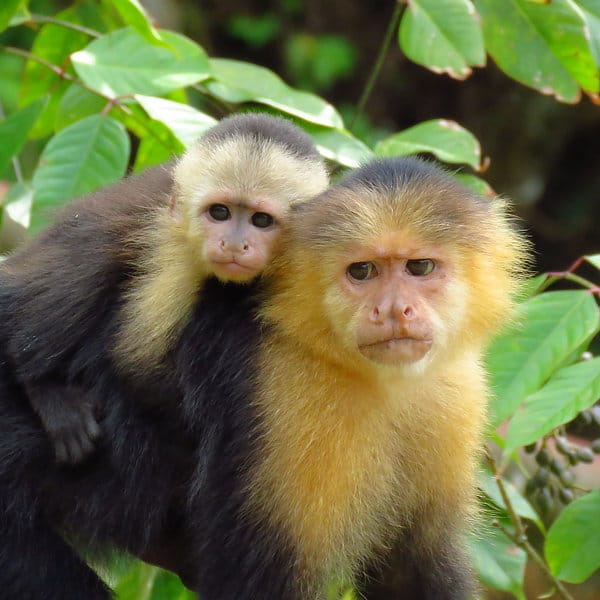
(397, 351)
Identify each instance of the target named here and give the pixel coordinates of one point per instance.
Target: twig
(387, 40)
(15, 159)
(554, 276)
(66, 24)
(64, 74)
(520, 536)
(568, 275)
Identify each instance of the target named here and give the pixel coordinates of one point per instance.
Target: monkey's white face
(399, 291)
(239, 235)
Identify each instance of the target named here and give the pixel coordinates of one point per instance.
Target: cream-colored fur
(172, 267)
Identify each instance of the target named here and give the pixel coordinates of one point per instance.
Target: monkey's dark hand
(68, 417)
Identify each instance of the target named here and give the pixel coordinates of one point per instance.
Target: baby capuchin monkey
(369, 394)
(137, 254)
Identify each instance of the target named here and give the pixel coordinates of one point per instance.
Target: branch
(66, 24)
(63, 74)
(568, 275)
(387, 40)
(15, 159)
(520, 536)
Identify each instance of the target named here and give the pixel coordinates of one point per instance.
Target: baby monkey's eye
(361, 271)
(219, 212)
(420, 267)
(262, 220)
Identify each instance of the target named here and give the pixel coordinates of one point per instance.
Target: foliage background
(135, 96)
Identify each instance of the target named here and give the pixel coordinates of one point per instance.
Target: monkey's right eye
(219, 212)
(361, 271)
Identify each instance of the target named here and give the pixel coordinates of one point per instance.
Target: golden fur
(353, 452)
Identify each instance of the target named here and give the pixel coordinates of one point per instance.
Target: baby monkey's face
(239, 235)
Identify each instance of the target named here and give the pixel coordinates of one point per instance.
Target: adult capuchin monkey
(356, 434)
(329, 420)
(135, 255)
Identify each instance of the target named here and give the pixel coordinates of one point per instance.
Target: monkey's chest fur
(345, 465)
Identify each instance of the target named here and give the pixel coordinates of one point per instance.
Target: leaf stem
(569, 275)
(15, 159)
(554, 276)
(68, 25)
(387, 40)
(519, 537)
(63, 74)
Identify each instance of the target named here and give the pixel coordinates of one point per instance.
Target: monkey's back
(58, 287)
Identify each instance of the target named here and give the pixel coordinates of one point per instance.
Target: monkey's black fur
(165, 484)
(167, 481)
(61, 286)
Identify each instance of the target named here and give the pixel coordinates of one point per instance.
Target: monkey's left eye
(420, 267)
(262, 220)
(361, 271)
(219, 212)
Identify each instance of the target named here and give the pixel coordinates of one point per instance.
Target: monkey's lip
(233, 270)
(396, 349)
(398, 340)
(232, 265)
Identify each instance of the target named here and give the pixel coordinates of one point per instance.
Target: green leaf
(81, 158)
(531, 286)
(151, 152)
(75, 104)
(187, 123)
(568, 392)
(593, 259)
(552, 326)
(590, 10)
(54, 44)
(237, 81)
(147, 582)
(317, 62)
(150, 70)
(21, 16)
(17, 205)
(151, 133)
(544, 46)
(445, 139)
(134, 14)
(8, 9)
(476, 184)
(15, 129)
(339, 145)
(499, 562)
(255, 31)
(488, 485)
(573, 542)
(442, 35)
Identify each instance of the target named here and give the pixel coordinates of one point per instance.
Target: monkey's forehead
(396, 195)
(266, 127)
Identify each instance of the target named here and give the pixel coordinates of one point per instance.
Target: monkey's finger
(92, 428)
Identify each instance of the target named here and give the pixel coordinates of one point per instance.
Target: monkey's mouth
(396, 350)
(233, 270)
